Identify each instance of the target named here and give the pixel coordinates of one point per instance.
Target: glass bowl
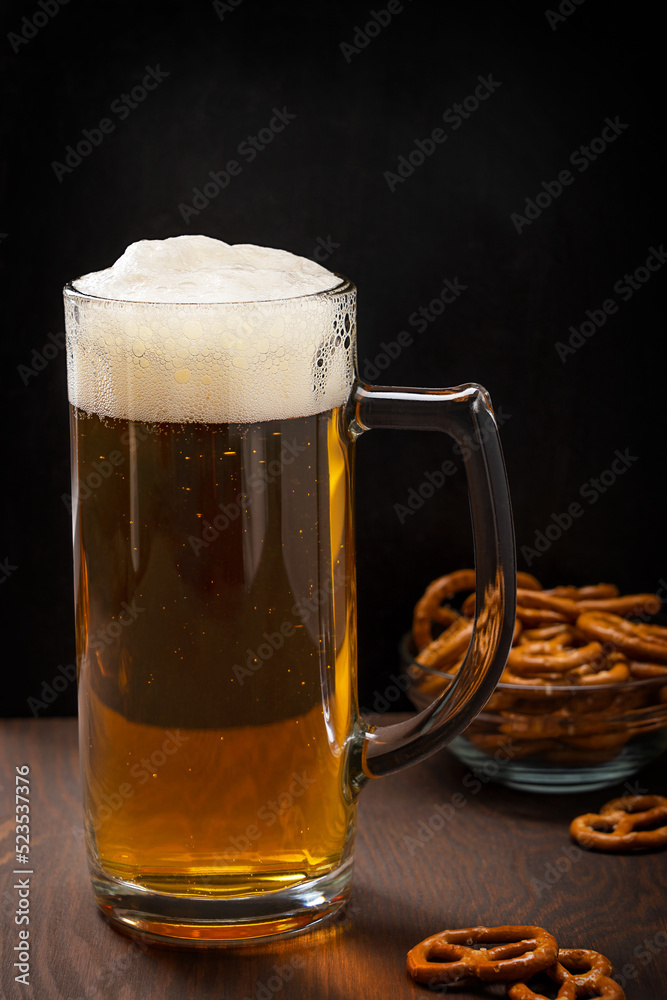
(554, 738)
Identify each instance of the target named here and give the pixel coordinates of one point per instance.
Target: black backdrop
(362, 87)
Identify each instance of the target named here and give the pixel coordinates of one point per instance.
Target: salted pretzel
(564, 633)
(578, 972)
(614, 828)
(626, 606)
(644, 670)
(596, 592)
(448, 647)
(606, 597)
(544, 683)
(549, 607)
(555, 607)
(636, 640)
(542, 664)
(447, 652)
(526, 581)
(587, 970)
(448, 957)
(616, 669)
(536, 658)
(429, 607)
(535, 608)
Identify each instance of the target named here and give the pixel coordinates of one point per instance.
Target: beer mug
(222, 749)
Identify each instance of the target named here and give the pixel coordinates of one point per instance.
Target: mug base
(175, 921)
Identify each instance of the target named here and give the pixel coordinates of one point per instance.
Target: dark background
(322, 178)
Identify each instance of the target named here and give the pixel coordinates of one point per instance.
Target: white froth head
(200, 269)
(194, 329)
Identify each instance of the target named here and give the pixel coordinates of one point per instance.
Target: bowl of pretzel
(582, 701)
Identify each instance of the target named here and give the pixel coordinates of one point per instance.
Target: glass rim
(71, 291)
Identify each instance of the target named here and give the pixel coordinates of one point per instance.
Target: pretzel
(448, 647)
(429, 607)
(636, 640)
(566, 609)
(578, 972)
(630, 604)
(524, 580)
(614, 827)
(595, 592)
(644, 670)
(617, 670)
(537, 658)
(448, 957)
(526, 584)
(596, 973)
(545, 680)
(633, 803)
(565, 633)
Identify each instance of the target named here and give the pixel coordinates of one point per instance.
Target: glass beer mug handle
(465, 414)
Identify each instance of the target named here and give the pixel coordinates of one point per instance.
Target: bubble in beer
(194, 329)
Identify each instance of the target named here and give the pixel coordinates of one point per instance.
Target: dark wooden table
(503, 857)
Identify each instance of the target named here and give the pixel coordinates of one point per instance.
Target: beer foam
(193, 329)
(201, 269)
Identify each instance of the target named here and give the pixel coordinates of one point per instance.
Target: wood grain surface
(502, 857)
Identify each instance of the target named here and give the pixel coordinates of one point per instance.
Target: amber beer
(215, 590)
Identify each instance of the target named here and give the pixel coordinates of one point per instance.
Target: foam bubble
(193, 329)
